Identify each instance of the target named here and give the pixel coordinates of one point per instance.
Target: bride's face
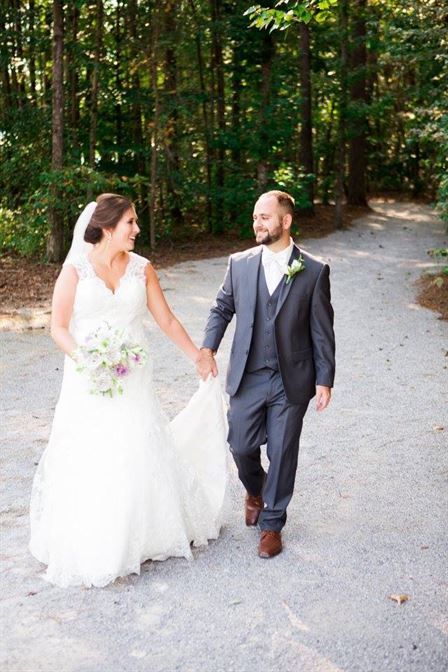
(126, 231)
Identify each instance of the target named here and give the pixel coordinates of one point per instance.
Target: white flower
(297, 266)
(103, 381)
(107, 359)
(114, 354)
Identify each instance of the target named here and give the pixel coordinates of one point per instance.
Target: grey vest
(263, 351)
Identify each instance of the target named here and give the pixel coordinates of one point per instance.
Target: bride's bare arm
(166, 320)
(62, 308)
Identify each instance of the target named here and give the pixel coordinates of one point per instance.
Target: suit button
(247, 352)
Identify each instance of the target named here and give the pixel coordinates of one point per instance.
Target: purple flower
(136, 358)
(121, 370)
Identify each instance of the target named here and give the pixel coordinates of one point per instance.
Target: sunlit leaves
(292, 11)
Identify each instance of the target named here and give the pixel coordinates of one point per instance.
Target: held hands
(205, 364)
(323, 396)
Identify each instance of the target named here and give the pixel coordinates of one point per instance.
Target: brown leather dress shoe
(270, 544)
(253, 508)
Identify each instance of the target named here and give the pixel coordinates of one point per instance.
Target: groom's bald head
(272, 218)
(284, 200)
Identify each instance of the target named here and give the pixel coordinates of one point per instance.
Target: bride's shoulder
(80, 263)
(139, 259)
(137, 264)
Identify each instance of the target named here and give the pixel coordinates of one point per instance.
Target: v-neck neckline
(112, 291)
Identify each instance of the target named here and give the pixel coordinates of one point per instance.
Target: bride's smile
(118, 484)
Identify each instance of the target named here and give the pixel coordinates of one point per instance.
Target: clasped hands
(206, 365)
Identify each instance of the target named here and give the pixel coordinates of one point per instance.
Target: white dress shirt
(275, 265)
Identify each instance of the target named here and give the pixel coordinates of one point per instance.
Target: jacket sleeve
(221, 312)
(322, 334)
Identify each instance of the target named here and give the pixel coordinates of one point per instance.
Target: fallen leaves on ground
(25, 283)
(399, 598)
(434, 295)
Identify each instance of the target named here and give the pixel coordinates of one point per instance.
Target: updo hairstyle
(108, 212)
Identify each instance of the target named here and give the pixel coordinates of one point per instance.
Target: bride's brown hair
(108, 212)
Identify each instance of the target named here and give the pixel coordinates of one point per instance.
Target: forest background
(194, 107)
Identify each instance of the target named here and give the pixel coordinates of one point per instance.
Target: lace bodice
(118, 484)
(126, 308)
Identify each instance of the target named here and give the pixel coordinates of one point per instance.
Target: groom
(283, 353)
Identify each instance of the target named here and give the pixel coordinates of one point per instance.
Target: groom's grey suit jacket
(304, 334)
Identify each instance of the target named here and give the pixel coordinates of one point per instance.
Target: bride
(118, 484)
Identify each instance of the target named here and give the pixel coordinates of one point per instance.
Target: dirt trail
(366, 521)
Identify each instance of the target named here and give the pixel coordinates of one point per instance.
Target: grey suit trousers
(260, 413)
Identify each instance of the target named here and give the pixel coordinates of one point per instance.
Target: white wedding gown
(118, 484)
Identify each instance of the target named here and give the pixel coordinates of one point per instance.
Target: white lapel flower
(297, 266)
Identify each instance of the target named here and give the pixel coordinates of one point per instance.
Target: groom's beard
(269, 237)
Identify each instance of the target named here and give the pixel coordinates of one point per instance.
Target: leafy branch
(293, 11)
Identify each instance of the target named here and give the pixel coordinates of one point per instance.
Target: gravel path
(366, 520)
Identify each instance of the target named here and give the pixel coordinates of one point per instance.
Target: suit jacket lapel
(253, 269)
(286, 288)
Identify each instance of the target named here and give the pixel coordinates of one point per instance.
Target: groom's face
(268, 220)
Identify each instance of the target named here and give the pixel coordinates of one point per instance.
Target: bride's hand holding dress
(118, 484)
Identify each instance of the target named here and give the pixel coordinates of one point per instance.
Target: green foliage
(288, 179)
(25, 230)
(440, 253)
(25, 150)
(208, 173)
(293, 11)
(20, 234)
(442, 197)
(409, 134)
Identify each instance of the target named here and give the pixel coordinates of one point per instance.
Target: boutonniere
(297, 266)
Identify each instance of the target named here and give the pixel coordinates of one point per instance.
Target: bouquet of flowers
(107, 358)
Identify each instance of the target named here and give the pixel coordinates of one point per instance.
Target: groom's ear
(287, 222)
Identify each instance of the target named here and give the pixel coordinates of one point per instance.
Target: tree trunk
(46, 56)
(5, 60)
(306, 127)
(343, 61)
(267, 55)
(18, 34)
(155, 129)
(12, 59)
(73, 78)
(118, 87)
(95, 81)
(172, 131)
(328, 159)
(137, 130)
(55, 240)
(218, 70)
(358, 100)
(237, 72)
(205, 118)
(32, 53)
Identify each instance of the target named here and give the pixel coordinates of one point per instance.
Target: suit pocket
(300, 355)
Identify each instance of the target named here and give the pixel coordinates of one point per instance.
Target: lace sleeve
(137, 267)
(82, 266)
